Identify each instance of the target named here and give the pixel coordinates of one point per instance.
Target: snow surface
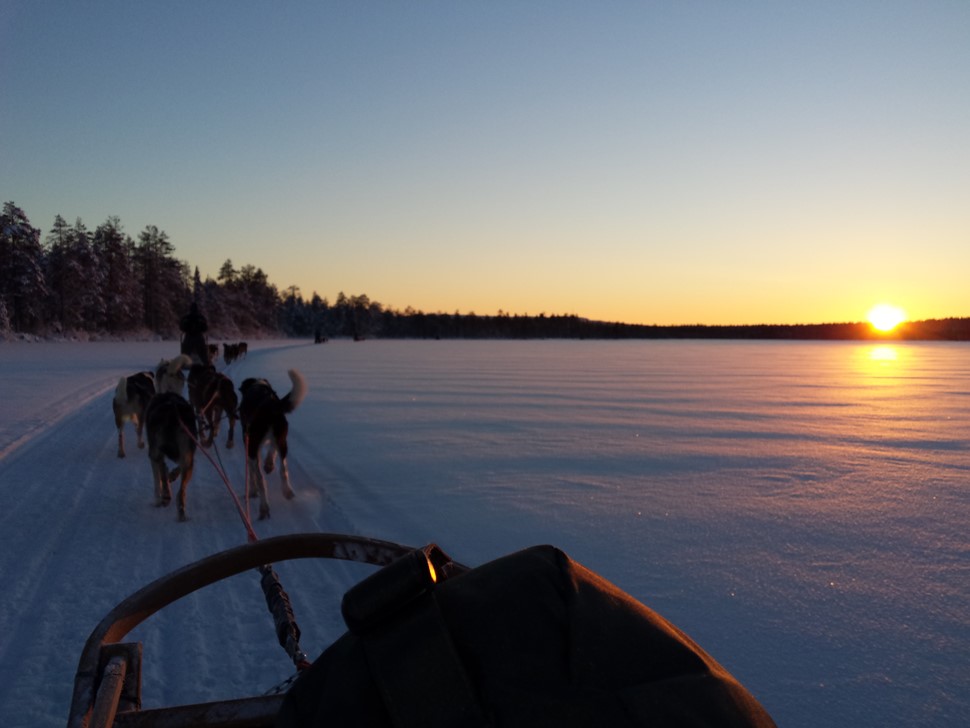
(799, 509)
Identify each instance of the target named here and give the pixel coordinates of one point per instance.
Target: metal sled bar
(162, 592)
(257, 712)
(106, 703)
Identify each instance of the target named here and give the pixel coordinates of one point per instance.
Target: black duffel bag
(530, 639)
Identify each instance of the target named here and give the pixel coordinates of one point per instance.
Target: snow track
(85, 524)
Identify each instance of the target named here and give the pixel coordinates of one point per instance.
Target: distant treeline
(950, 329)
(104, 283)
(503, 326)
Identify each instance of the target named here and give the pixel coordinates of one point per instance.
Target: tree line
(75, 280)
(106, 283)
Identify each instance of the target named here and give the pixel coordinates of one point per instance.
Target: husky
(211, 394)
(172, 432)
(263, 417)
(130, 401)
(169, 374)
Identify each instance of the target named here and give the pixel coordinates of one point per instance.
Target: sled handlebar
(102, 657)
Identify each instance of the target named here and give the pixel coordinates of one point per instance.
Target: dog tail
(182, 361)
(121, 391)
(296, 395)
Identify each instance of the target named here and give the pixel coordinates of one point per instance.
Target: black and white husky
(263, 416)
(172, 432)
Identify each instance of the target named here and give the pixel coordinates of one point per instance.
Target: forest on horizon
(104, 283)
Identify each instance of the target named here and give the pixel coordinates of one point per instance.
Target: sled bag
(530, 639)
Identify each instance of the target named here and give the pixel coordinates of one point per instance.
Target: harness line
(208, 404)
(277, 600)
(247, 523)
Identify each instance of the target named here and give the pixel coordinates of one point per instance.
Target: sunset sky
(646, 162)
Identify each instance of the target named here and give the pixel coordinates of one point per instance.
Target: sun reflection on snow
(880, 361)
(884, 354)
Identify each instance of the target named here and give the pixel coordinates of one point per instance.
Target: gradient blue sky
(647, 162)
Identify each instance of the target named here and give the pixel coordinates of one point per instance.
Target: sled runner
(530, 639)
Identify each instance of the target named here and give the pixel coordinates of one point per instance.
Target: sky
(645, 162)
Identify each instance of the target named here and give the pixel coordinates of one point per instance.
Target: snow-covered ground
(799, 509)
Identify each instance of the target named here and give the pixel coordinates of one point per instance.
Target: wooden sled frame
(107, 685)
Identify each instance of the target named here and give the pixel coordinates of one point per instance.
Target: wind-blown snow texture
(799, 509)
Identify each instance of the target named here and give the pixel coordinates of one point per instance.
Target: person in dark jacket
(194, 326)
(530, 640)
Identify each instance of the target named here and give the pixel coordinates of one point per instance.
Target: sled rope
(277, 600)
(244, 515)
(200, 415)
(278, 603)
(246, 474)
(208, 404)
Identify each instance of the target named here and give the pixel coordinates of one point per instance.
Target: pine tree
(163, 279)
(84, 294)
(4, 318)
(119, 299)
(23, 287)
(58, 261)
(218, 313)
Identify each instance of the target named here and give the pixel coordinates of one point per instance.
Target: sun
(885, 317)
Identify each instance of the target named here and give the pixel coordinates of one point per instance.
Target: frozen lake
(799, 508)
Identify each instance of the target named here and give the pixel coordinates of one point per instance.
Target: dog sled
(530, 639)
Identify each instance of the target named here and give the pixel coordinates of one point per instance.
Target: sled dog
(129, 403)
(212, 395)
(263, 416)
(172, 433)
